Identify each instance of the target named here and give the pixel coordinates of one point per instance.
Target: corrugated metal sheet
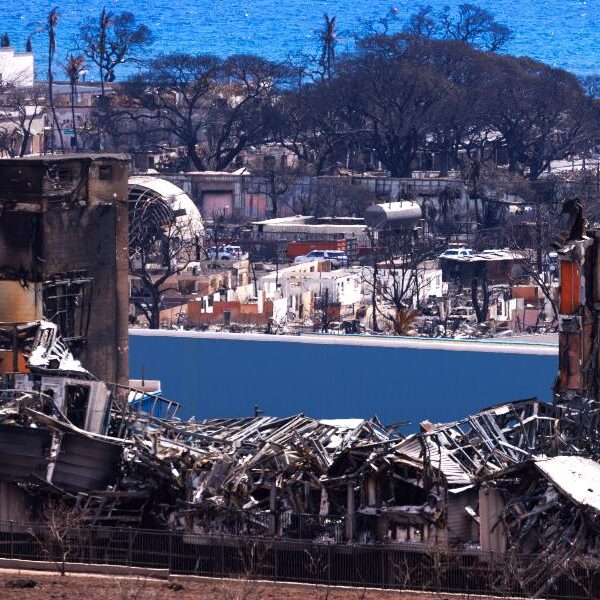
(460, 524)
(85, 463)
(439, 457)
(12, 505)
(575, 476)
(23, 452)
(569, 287)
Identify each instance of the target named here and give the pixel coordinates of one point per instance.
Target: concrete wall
(225, 375)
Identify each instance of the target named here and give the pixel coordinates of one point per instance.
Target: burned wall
(64, 242)
(19, 271)
(81, 278)
(19, 236)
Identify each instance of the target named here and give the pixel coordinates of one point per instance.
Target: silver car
(338, 258)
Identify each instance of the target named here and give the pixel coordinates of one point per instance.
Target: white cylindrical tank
(393, 215)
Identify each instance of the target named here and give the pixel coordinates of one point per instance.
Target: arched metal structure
(155, 203)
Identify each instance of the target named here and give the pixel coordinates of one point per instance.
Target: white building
(301, 283)
(16, 68)
(301, 228)
(418, 285)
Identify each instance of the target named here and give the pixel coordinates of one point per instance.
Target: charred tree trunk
(154, 321)
(538, 235)
(374, 290)
(24, 142)
(193, 156)
(480, 309)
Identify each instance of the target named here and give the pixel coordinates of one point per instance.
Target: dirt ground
(51, 586)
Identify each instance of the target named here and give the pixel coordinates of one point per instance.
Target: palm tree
(327, 37)
(51, 23)
(104, 24)
(73, 69)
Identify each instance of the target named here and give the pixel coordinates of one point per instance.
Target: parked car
(463, 313)
(337, 257)
(456, 252)
(227, 252)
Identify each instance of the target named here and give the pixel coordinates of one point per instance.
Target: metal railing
(375, 566)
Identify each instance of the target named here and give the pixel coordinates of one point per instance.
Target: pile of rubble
(248, 466)
(476, 482)
(518, 479)
(261, 475)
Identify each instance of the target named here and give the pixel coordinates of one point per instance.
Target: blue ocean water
(564, 33)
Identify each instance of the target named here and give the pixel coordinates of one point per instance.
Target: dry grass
(50, 586)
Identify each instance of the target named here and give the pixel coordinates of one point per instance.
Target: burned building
(53, 418)
(63, 253)
(490, 266)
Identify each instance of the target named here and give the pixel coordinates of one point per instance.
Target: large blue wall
(227, 376)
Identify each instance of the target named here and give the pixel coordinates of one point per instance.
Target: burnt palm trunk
(52, 22)
(74, 126)
(481, 309)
